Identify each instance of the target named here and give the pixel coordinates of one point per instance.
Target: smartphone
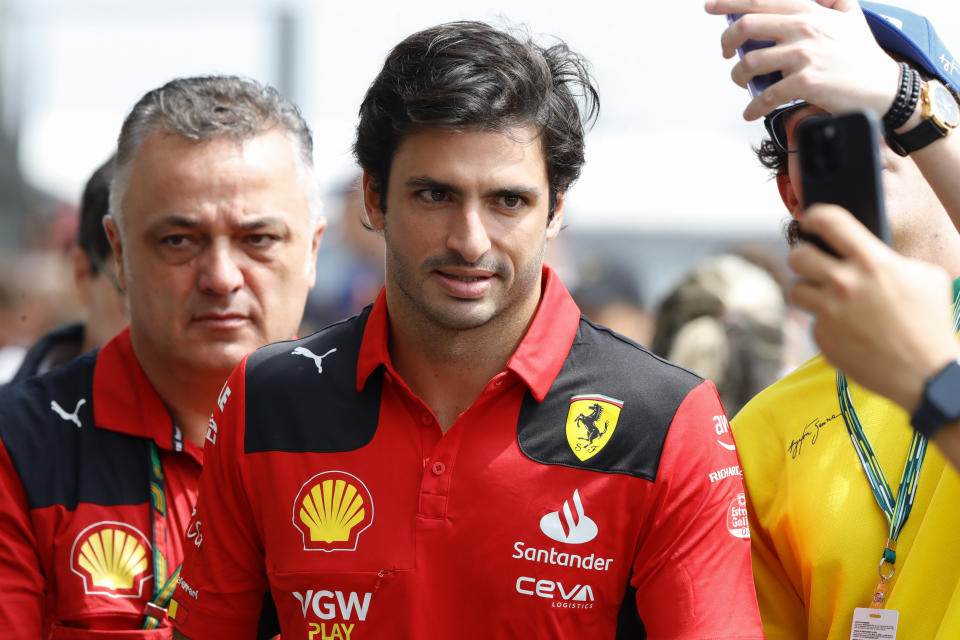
(757, 84)
(840, 164)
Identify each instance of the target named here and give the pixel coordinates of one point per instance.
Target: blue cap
(913, 37)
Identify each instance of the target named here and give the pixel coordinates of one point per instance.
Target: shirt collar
(373, 346)
(126, 402)
(537, 360)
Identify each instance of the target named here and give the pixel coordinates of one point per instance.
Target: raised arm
(829, 57)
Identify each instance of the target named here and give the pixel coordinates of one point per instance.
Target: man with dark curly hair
(470, 457)
(821, 454)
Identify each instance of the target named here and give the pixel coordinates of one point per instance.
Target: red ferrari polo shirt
(591, 487)
(76, 543)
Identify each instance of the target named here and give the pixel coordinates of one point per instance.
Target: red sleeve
(223, 580)
(692, 572)
(22, 582)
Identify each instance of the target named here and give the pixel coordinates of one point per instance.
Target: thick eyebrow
(530, 192)
(424, 182)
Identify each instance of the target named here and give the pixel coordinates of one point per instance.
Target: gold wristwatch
(940, 114)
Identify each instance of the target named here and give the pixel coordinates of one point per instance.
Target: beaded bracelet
(905, 103)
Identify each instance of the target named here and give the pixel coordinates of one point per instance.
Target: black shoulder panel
(61, 462)
(604, 363)
(301, 395)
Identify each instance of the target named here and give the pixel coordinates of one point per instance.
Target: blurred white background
(670, 150)
(669, 157)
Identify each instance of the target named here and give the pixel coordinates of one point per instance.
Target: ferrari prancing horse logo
(590, 423)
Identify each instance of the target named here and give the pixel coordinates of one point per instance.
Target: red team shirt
(572, 499)
(76, 546)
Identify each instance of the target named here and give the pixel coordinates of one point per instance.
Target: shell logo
(331, 511)
(112, 558)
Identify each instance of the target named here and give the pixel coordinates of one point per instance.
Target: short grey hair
(209, 107)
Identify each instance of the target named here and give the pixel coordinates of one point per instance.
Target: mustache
(486, 262)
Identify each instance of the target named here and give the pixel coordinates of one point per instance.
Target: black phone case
(840, 164)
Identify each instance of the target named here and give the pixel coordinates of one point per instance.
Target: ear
(82, 274)
(372, 201)
(314, 247)
(556, 222)
(116, 243)
(789, 195)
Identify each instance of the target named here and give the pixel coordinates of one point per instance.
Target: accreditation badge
(874, 624)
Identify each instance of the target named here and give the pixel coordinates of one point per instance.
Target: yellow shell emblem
(112, 558)
(331, 511)
(590, 423)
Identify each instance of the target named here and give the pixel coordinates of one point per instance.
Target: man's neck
(932, 239)
(449, 368)
(189, 396)
(939, 249)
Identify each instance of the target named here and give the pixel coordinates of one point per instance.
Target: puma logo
(69, 417)
(318, 360)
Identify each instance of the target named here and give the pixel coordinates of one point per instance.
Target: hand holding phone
(757, 84)
(840, 164)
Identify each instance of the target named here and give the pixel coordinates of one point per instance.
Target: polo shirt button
(425, 418)
(438, 468)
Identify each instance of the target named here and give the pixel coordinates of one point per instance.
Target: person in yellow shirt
(848, 507)
(909, 352)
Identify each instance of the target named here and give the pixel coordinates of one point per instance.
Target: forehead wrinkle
(262, 221)
(176, 220)
(250, 223)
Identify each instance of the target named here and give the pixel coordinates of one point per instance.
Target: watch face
(945, 106)
(942, 393)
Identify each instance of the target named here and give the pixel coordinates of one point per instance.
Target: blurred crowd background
(673, 233)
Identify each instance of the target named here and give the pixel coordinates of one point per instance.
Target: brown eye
(261, 240)
(176, 241)
(512, 202)
(432, 196)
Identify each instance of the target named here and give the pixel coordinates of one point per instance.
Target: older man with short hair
(215, 224)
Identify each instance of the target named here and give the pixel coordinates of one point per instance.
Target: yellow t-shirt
(817, 531)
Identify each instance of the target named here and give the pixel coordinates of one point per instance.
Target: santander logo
(567, 529)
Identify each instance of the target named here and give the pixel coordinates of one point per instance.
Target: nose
(219, 271)
(467, 232)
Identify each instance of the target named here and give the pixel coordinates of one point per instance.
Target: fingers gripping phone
(840, 164)
(757, 84)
